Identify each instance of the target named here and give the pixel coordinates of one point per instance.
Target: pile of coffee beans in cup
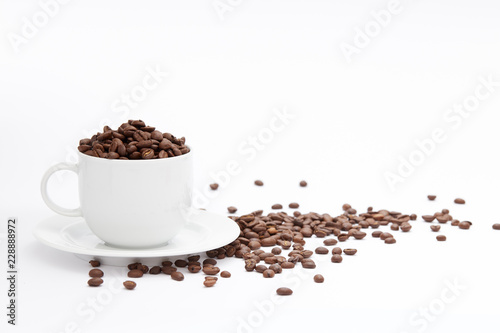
(133, 140)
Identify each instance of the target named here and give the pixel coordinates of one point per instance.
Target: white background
(353, 122)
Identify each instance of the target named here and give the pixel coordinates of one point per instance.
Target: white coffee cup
(130, 203)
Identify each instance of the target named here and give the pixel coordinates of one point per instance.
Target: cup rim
(156, 160)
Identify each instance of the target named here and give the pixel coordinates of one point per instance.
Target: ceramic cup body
(131, 203)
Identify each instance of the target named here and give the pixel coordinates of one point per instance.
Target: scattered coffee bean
(177, 276)
(455, 223)
(94, 263)
(385, 235)
(390, 240)
(155, 270)
(168, 269)
(435, 228)
(405, 227)
(337, 258)
(395, 226)
(135, 265)
(496, 226)
(464, 225)
(129, 285)
(95, 282)
(441, 238)
(225, 274)
(209, 261)
(330, 242)
(428, 218)
(214, 186)
(180, 263)
(318, 278)
(346, 207)
(166, 263)
(308, 263)
(96, 272)
(211, 270)
(209, 283)
(259, 182)
(293, 205)
(377, 233)
(143, 268)
(276, 250)
(321, 250)
(287, 265)
(194, 268)
(459, 201)
(135, 273)
(260, 268)
(277, 267)
(336, 250)
(277, 206)
(194, 258)
(268, 273)
(232, 209)
(283, 291)
(303, 183)
(431, 197)
(350, 252)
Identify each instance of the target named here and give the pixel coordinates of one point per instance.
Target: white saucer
(205, 231)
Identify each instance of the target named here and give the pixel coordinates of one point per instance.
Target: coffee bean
(209, 261)
(455, 223)
(428, 218)
(277, 206)
(283, 291)
(336, 250)
(303, 183)
(260, 268)
(169, 270)
(321, 250)
(143, 268)
(259, 182)
(431, 197)
(435, 228)
(96, 272)
(459, 201)
(390, 240)
(225, 274)
(346, 207)
(254, 245)
(441, 238)
(268, 273)
(293, 205)
(385, 235)
(232, 209)
(276, 250)
(135, 273)
(155, 270)
(308, 263)
(337, 258)
(194, 268)
(270, 241)
(318, 278)
(211, 270)
(359, 234)
(464, 225)
(377, 233)
(276, 267)
(166, 263)
(330, 241)
(395, 226)
(95, 282)
(350, 252)
(209, 283)
(94, 263)
(194, 258)
(177, 276)
(129, 285)
(287, 265)
(181, 263)
(134, 265)
(405, 227)
(214, 186)
(496, 226)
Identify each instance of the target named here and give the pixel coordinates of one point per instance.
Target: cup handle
(55, 207)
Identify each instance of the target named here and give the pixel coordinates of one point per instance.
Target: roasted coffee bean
(428, 218)
(166, 263)
(181, 263)
(276, 267)
(209, 261)
(135, 273)
(95, 282)
(194, 258)
(269, 241)
(435, 228)
(194, 268)
(287, 265)
(464, 225)
(459, 201)
(211, 270)
(390, 240)
(395, 226)
(134, 265)
(277, 206)
(303, 183)
(129, 285)
(308, 263)
(359, 234)
(276, 250)
(496, 226)
(177, 276)
(405, 227)
(377, 233)
(214, 186)
(346, 207)
(455, 223)
(254, 245)
(259, 182)
(330, 241)
(337, 258)
(271, 260)
(225, 274)
(283, 291)
(94, 263)
(385, 235)
(155, 270)
(350, 252)
(336, 250)
(431, 197)
(260, 268)
(209, 283)
(268, 273)
(318, 278)
(148, 154)
(232, 209)
(321, 250)
(293, 205)
(168, 269)
(442, 219)
(143, 268)
(96, 272)
(441, 238)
